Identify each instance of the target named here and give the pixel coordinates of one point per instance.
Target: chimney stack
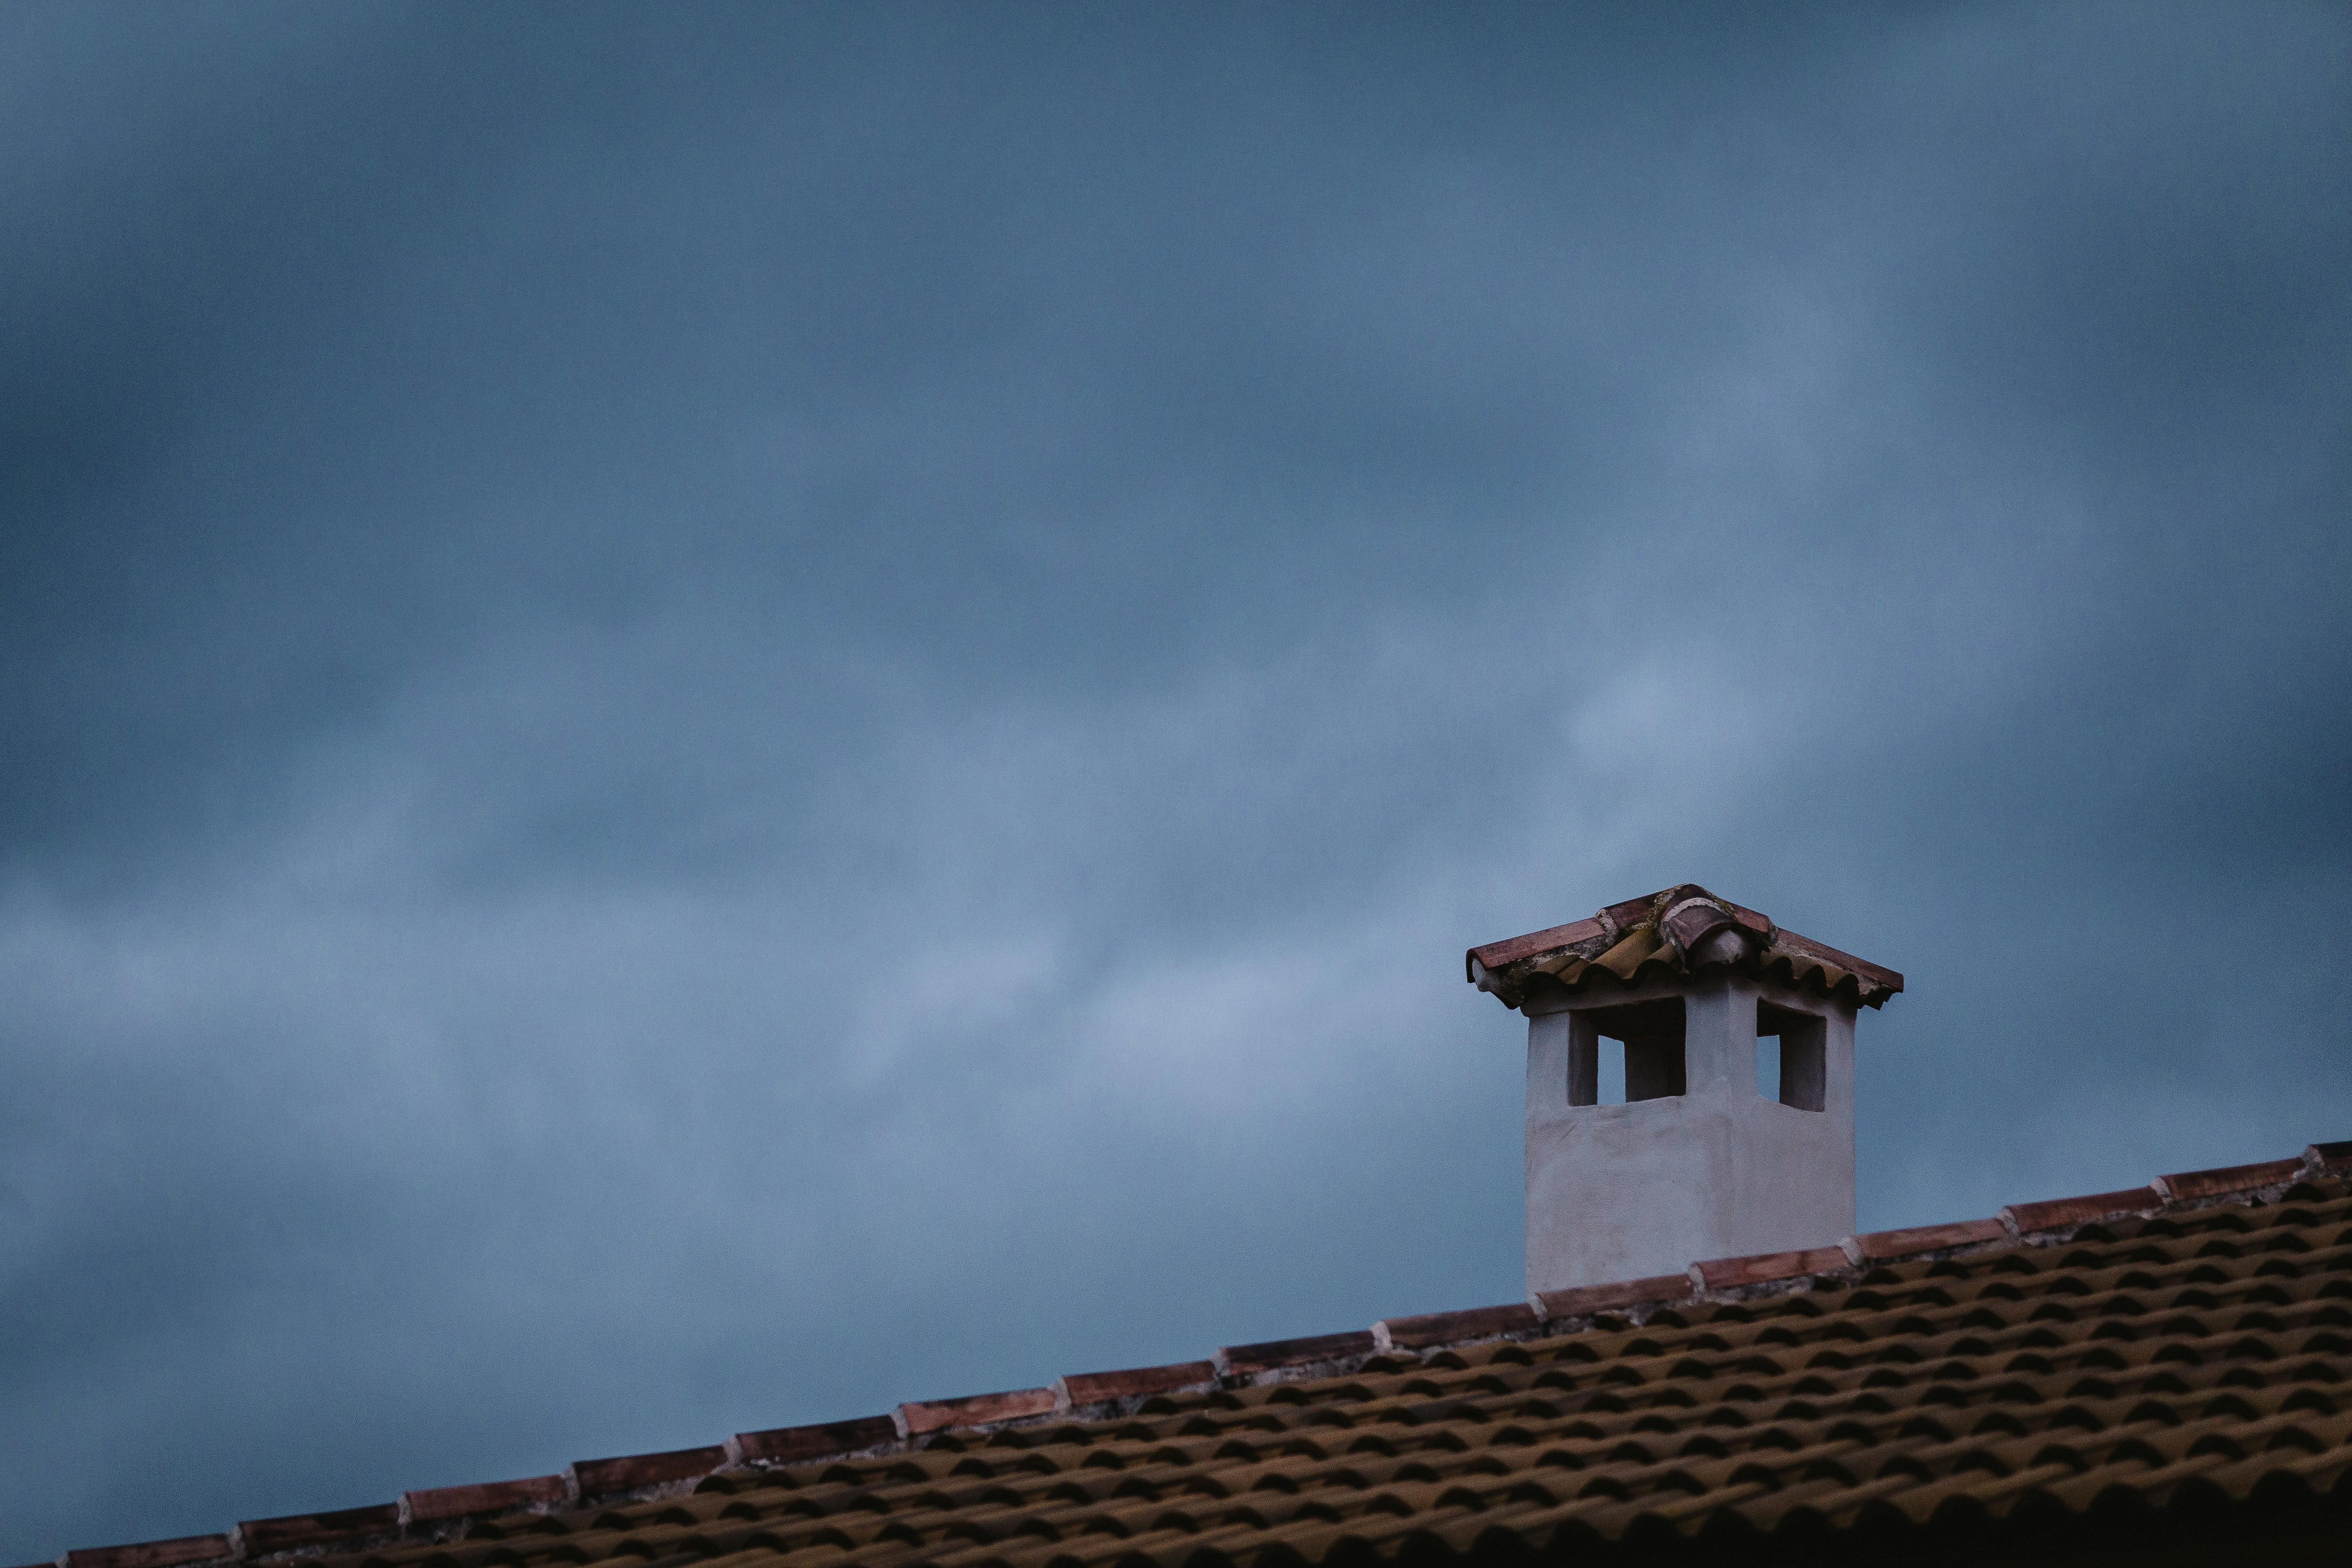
(1710, 1153)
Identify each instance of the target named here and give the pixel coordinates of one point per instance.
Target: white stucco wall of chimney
(1623, 1192)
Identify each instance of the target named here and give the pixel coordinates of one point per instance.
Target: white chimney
(1708, 1152)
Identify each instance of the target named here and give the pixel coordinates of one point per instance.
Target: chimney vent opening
(1640, 1044)
(1791, 1057)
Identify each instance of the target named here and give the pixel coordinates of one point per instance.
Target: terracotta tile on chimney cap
(789, 1445)
(1885, 1245)
(1080, 1388)
(254, 1536)
(1270, 1355)
(1453, 1328)
(1583, 1300)
(920, 1416)
(149, 1553)
(490, 1497)
(2330, 1157)
(2228, 1179)
(600, 1478)
(2056, 1214)
(1494, 954)
(1763, 1268)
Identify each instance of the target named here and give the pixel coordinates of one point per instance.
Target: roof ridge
(446, 1512)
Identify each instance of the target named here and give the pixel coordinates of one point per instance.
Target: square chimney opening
(1647, 1036)
(1791, 1057)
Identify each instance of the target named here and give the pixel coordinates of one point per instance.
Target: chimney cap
(1680, 930)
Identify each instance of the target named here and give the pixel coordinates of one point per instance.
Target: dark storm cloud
(715, 718)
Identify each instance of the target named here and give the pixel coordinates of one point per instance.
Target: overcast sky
(716, 717)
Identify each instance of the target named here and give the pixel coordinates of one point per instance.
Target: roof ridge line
(442, 1513)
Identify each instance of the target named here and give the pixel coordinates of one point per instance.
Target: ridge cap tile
(1767, 1268)
(1885, 1245)
(628, 1472)
(1076, 1390)
(167, 1553)
(1307, 1350)
(2332, 1157)
(433, 1505)
(919, 1416)
(1426, 1329)
(815, 1440)
(2221, 1180)
(254, 1536)
(1583, 1300)
(2055, 1213)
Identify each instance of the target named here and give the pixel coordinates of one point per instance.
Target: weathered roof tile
(1885, 1245)
(151, 1553)
(1630, 941)
(790, 1445)
(257, 1537)
(2229, 1179)
(2330, 1157)
(1086, 1388)
(492, 1496)
(1765, 1267)
(1584, 1300)
(630, 1472)
(921, 1416)
(1453, 1328)
(1311, 1349)
(2056, 1214)
(2181, 1356)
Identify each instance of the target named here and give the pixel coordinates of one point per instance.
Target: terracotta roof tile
(1884, 1246)
(788, 1445)
(2229, 1179)
(1629, 941)
(494, 1496)
(633, 1472)
(2056, 1214)
(1584, 1300)
(1087, 1388)
(256, 1537)
(1765, 1267)
(1452, 1328)
(151, 1553)
(1240, 1361)
(972, 1410)
(2121, 1357)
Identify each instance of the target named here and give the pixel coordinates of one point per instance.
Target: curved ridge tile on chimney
(1626, 942)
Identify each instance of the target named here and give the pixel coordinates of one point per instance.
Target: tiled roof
(1659, 935)
(2154, 1360)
